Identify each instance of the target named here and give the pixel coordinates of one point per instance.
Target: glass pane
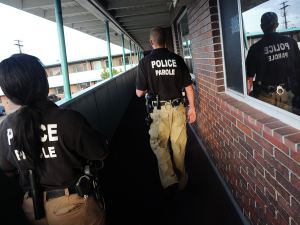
(231, 44)
(272, 31)
(184, 37)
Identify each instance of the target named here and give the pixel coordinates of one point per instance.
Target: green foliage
(105, 73)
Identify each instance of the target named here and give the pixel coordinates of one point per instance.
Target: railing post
(131, 62)
(62, 48)
(123, 47)
(108, 49)
(134, 52)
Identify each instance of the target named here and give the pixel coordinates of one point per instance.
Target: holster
(37, 196)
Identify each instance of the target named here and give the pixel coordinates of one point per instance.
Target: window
(83, 85)
(126, 60)
(273, 60)
(80, 67)
(185, 40)
(257, 69)
(96, 65)
(59, 90)
(232, 45)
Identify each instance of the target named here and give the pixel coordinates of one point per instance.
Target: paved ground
(132, 188)
(133, 191)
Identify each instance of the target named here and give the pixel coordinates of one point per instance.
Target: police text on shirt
(277, 51)
(49, 133)
(167, 64)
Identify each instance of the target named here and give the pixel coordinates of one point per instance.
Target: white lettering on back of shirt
(52, 132)
(20, 155)
(10, 135)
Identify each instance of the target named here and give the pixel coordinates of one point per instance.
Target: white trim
(222, 48)
(287, 117)
(242, 48)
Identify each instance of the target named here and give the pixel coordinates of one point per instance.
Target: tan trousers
(67, 210)
(169, 123)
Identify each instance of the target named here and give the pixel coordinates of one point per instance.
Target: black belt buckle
(175, 102)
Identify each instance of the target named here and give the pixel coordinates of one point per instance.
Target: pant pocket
(68, 205)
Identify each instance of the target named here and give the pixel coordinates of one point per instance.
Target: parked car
(2, 110)
(53, 98)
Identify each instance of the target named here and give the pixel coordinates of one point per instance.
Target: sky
(252, 17)
(39, 38)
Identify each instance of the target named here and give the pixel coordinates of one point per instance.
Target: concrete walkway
(132, 186)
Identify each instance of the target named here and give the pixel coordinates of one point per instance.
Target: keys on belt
(279, 89)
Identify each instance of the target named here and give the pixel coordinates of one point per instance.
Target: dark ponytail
(23, 80)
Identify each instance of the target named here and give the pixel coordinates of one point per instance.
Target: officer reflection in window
(273, 67)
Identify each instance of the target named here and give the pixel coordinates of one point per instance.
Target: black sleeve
(90, 144)
(186, 77)
(141, 78)
(79, 137)
(251, 63)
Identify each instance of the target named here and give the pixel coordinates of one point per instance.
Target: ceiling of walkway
(139, 16)
(134, 17)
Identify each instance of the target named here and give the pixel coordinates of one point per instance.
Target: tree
(105, 73)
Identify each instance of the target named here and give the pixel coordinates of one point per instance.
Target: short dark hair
(23, 79)
(158, 35)
(269, 22)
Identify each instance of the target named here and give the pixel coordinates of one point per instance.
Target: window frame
(285, 116)
(179, 38)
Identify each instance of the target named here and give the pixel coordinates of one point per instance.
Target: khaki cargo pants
(67, 210)
(169, 123)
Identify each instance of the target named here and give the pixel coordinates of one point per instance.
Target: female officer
(49, 142)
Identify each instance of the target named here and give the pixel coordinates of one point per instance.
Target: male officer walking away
(163, 75)
(275, 63)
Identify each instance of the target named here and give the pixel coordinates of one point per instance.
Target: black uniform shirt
(275, 60)
(163, 73)
(67, 142)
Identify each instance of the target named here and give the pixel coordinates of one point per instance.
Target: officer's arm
(140, 93)
(191, 97)
(249, 83)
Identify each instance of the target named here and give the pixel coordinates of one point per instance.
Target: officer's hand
(191, 115)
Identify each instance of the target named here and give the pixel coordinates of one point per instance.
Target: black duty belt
(173, 102)
(56, 193)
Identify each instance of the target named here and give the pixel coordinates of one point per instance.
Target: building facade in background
(82, 74)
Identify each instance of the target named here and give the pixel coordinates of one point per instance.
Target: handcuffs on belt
(280, 90)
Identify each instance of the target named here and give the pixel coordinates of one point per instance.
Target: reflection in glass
(272, 30)
(183, 35)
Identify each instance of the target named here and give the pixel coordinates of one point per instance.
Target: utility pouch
(83, 186)
(149, 108)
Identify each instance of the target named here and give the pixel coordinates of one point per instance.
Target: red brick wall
(257, 155)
